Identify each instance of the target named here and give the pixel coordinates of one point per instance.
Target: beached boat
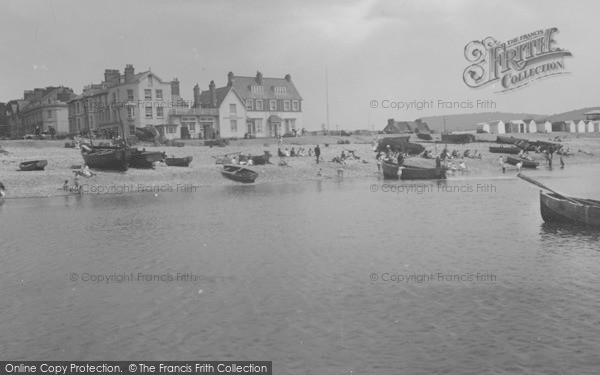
(179, 162)
(261, 159)
(509, 140)
(239, 173)
(145, 159)
(103, 158)
(419, 173)
(526, 163)
(390, 170)
(505, 150)
(457, 138)
(33, 165)
(424, 136)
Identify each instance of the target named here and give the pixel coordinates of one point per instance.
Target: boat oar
(532, 181)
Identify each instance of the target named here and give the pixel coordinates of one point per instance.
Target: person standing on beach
(2, 189)
(317, 153)
(562, 163)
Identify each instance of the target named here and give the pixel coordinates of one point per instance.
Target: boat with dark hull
(424, 136)
(390, 170)
(419, 173)
(33, 165)
(504, 150)
(145, 159)
(105, 158)
(179, 162)
(556, 208)
(526, 163)
(457, 138)
(239, 173)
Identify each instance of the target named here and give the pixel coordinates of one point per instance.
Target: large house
(42, 110)
(133, 100)
(247, 107)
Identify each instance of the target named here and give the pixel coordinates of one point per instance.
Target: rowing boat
(526, 163)
(419, 173)
(390, 170)
(504, 150)
(239, 173)
(557, 209)
(179, 162)
(33, 165)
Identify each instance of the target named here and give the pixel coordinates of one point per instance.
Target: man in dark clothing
(317, 153)
(438, 162)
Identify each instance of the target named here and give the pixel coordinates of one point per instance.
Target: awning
(274, 118)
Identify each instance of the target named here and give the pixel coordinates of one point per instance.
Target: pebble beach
(203, 171)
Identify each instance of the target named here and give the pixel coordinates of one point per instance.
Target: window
(130, 95)
(148, 112)
(171, 129)
(130, 112)
(114, 97)
(286, 105)
(273, 105)
(257, 89)
(232, 110)
(49, 113)
(148, 94)
(295, 105)
(159, 95)
(279, 90)
(259, 105)
(159, 111)
(249, 104)
(258, 124)
(233, 123)
(190, 125)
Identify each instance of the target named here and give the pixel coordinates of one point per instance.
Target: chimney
(288, 78)
(259, 78)
(390, 121)
(129, 73)
(212, 94)
(28, 95)
(111, 75)
(230, 79)
(175, 86)
(197, 96)
(38, 94)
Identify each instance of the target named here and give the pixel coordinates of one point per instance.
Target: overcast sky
(373, 49)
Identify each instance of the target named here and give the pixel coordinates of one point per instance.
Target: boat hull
(34, 165)
(412, 173)
(239, 173)
(390, 170)
(555, 209)
(145, 159)
(424, 136)
(458, 138)
(505, 150)
(526, 163)
(112, 159)
(179, 162)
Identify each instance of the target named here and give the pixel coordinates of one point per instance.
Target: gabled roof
(243, 86)
(594, 112)
(221, 94)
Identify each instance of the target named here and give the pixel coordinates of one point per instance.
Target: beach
(203, 171)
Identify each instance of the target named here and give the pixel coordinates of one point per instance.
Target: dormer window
(279, 90)
(257, 89)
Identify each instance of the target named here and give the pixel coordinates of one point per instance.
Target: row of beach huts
(591, 125)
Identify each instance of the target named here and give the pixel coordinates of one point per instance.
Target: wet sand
(204, 172)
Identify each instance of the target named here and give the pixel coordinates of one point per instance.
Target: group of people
(292, 153)
(389, 156)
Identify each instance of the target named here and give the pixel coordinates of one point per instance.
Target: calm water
(284, 272)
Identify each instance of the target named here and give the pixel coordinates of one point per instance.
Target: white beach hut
(589, 126)
(571, 126)
(580, 126)
(483, 127)
(497, 127)
(532, 127)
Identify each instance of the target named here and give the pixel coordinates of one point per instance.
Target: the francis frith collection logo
(515, 63)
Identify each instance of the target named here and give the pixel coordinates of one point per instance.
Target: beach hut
(497, 127)
(512, 127)
(544, 126)
(560, 126)
(589, 126)
(521, 127)
(483, 127)
(531, 126)
(571, 126)
(580, 126)
(596, 125)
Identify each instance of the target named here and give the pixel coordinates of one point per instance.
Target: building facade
(44, 110)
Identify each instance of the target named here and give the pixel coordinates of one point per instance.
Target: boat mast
(327, 97)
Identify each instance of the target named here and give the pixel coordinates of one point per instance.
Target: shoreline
(203, 172)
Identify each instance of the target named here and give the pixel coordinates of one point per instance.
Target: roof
(243, 86)
(221, 94)
(399, 127)
(594, 112)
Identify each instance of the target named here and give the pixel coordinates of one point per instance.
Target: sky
(357, 56)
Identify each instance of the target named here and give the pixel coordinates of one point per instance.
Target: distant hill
(577, 114)
(468, 121)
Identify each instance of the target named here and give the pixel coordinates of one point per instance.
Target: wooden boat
(179, 162)
(557, 208)
(505, 150)
(457, 138)
(102, 158)
(390, 170)
(419, 173)
(239, 173)
(526, 163)
(145, 159)
(424, 136)
(261, 159)
(33, 165)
